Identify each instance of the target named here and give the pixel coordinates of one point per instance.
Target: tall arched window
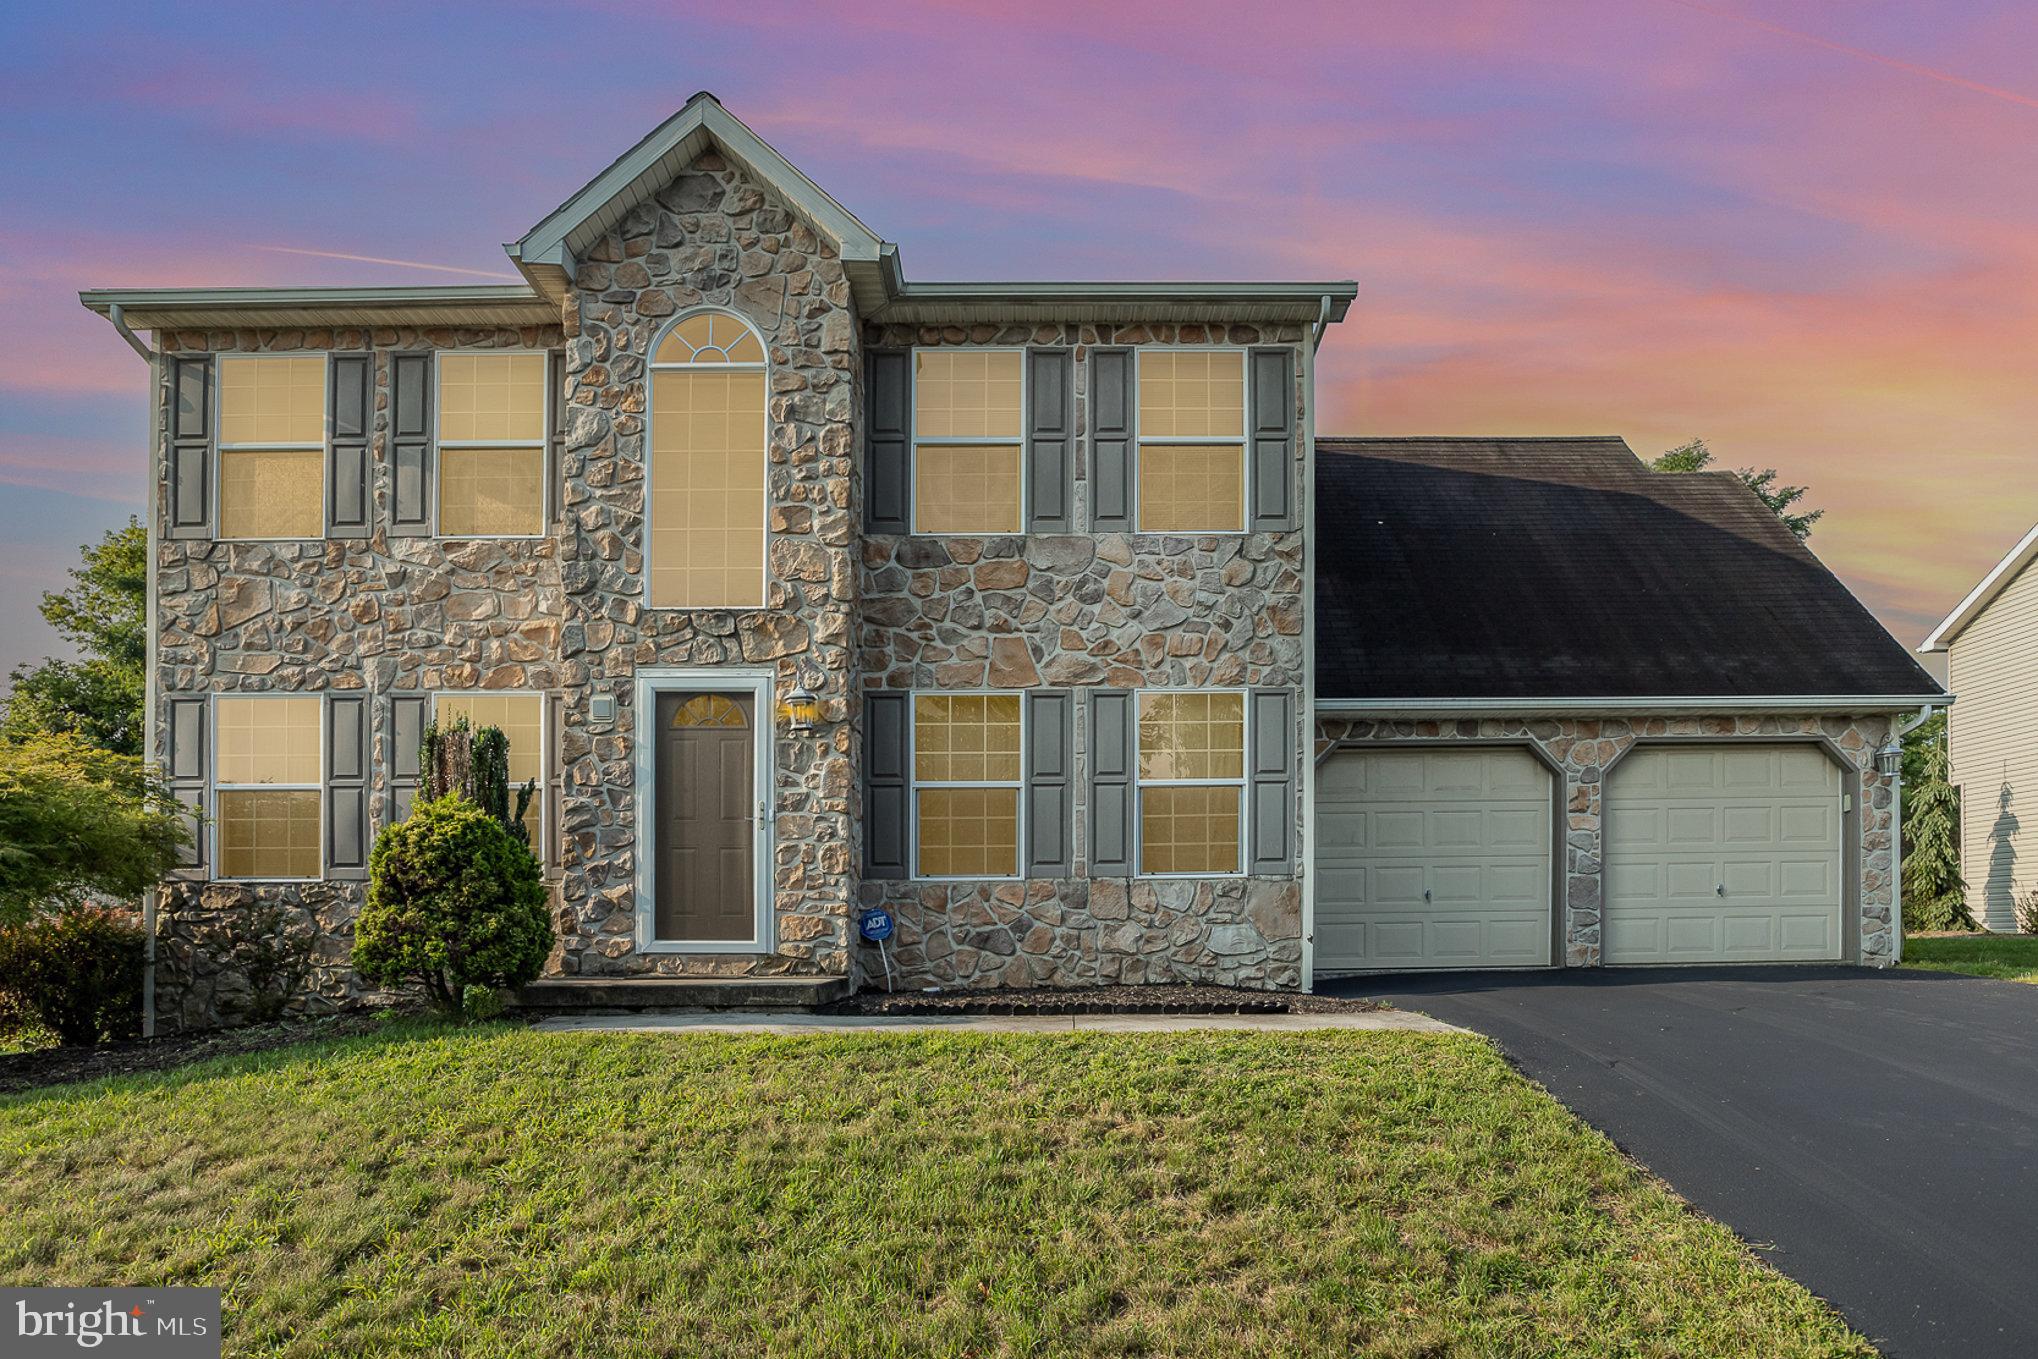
(705, 547)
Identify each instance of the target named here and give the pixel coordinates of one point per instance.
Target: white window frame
(914, 784)
(545, 472)
(761, 685)
(1244, 440)
(214, 787)
(545, 770)
(650, 419)
(1140, 783)
(220, 447)
(1018, 441)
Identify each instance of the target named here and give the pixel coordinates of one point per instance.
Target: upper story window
(491, 437)
(1191, 457)
(968, 440)
(268, 786)
(272, 442)
(705, 514)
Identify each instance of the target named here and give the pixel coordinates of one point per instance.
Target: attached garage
(1724, 854)
(1571, 711)
(1433, 859)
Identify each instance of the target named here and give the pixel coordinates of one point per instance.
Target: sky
(1804, 230)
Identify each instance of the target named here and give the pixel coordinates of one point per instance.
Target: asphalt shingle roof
(1565, 568)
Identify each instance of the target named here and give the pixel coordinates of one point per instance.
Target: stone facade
(1120, 610)
(1583, 749)
(383, 615)
(712, 238)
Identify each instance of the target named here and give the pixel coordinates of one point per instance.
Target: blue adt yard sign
(875, 925)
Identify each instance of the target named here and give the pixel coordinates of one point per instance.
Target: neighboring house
(1991, 646)
(1039, 554)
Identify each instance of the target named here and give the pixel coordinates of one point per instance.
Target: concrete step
(569, 995)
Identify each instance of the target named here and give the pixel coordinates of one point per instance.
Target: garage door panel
(1473, 828)
(1397, 830)
(1747, 863)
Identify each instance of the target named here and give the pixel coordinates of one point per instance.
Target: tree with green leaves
(98, 696)
(1696, 457)
(77, 821)
(1935, 896)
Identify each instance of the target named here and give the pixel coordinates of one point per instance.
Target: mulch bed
(64, 1065)
(1098, 1000)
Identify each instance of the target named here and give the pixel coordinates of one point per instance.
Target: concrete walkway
(1403, 1021)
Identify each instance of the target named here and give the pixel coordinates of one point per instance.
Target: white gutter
(116, 314)
(1665, 705)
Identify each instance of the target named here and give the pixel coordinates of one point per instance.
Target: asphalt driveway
(1875, 1134)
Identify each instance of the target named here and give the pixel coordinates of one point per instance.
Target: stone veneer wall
(713, 237)
(1583, 748)
(1118, 610)
(380, 614)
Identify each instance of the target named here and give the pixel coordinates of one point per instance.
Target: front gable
(657, 169)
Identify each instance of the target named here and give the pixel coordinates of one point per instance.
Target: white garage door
(1723, 854)
(1432, 859)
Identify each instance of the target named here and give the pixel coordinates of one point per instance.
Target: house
(1992, 735)
(802, 589)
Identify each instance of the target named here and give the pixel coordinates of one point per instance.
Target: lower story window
(1191, 769)
(521, 718)
(966, 777)
(268, 793)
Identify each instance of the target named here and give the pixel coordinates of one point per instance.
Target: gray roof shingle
(1565, 568)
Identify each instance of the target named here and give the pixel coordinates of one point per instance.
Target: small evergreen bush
(77, 971)
(454, 900)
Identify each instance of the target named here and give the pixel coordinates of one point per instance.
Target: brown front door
(706, 834)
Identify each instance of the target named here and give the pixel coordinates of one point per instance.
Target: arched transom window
(705, 547)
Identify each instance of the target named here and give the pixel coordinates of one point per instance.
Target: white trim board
(1981, 596)
(761, 684)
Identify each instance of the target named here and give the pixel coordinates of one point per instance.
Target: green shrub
(454, 900)
(474, 762)
(76, 820)
(78, 972)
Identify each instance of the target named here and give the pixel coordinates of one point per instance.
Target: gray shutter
(350, 399)
(410, 445)
(186, 758)
(1111, 436)
(1110, 752)
(553, 854)
(888, 435)
(1271, 818)
(555, 436)
(885, 790)
(1050, 783)
(1273, 445)
(408, 714)
(346, 786)
(190, 449)
(1050, 441)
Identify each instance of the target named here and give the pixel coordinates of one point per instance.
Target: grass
(499, 1191)
(2011, 957)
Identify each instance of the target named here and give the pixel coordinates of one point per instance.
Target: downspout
(150, 894)
(1900, 727)
(1305, 859)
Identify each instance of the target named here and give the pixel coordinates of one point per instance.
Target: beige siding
(1993, 672)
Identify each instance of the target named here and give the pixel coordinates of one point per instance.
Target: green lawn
(504, 1192)
(2012, 957)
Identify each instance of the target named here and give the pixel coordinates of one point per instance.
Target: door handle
(1425, 894)
(1719, 889)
